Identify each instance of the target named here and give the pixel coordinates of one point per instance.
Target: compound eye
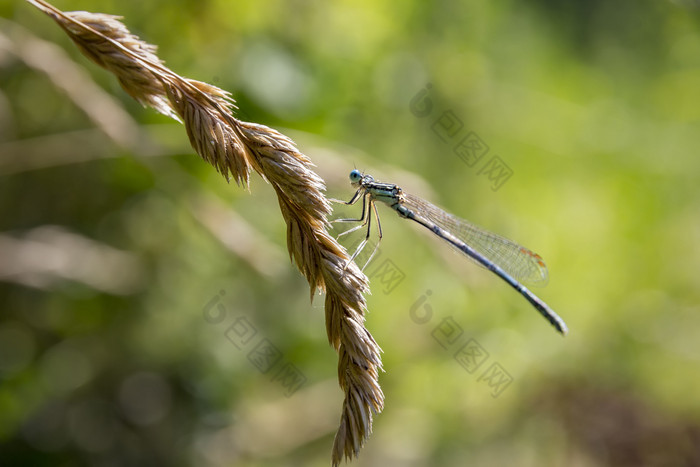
(355, 176)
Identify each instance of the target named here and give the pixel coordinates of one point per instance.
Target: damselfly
(508, 260)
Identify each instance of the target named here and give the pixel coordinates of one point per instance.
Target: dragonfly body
(499, 255)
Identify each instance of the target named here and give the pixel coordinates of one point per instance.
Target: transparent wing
(522, 264)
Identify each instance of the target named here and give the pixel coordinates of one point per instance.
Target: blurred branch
(60, 149)
(230, 229)
(7, 118)
(46, 255)
(273, 429)
(237, 235)
(70, 77)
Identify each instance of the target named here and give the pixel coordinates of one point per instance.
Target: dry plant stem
(235, 147)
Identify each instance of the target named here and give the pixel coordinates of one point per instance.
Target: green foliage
(110, 255)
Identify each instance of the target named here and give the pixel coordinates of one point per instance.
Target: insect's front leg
(368, 222)
(372, 208)
(364, 217)
(352, 201)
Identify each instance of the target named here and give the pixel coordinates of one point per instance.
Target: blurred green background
(131, 273)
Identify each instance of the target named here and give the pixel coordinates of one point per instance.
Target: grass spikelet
(235, 148)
